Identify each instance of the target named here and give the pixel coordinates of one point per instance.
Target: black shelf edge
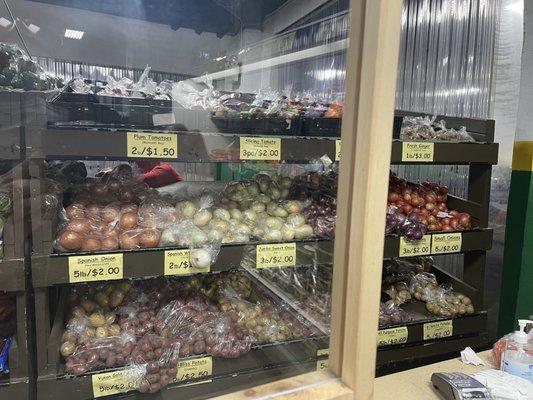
(54, 269)
(472, 240)
(452, 153)
(462, 326)
(15, 389)
(192, 147)
(12, 276)
(393, 359)
(277, 360)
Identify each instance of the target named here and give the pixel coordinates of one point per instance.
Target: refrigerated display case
(193, 226)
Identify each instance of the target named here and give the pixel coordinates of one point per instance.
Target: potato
(97, 319)
(67, 349)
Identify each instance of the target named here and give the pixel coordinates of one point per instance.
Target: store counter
(416, 384)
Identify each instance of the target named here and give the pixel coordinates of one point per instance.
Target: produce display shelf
(471, 240)
(54, 269)
(12, 275)
(191, 147)
(447, 153)
(15, 388)
(398, 358)
(413, 332)
(51, 388)
(277, 360)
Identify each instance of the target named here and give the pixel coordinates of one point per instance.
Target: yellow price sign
(322, 364)
(177, 262)
(195, 369)
(438, 329)
(409, 248)
(115, 382)
(100, 267)
(337, 150)
(443, 243)
(260, 148)
(275, 255)
(322, 352)
(387, 337)
(418, 151)
(152, 145)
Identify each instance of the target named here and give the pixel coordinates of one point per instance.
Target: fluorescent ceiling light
(74, 34)
(5, 23)
(33, 28)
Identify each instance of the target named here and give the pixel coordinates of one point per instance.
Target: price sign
(337, 150)
(152, 145)
(322, 364)
(418, 151)
(322, 352)
(196, 368)
(438, 329)
(410, 248)
(275, 255)
(115, 382)
(387, 337)
(443, 243)
(101, 267)
(258, 148)
(177, 262)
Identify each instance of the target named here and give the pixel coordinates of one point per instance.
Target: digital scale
(458, 386)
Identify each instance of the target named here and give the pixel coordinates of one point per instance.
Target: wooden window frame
(372, 58)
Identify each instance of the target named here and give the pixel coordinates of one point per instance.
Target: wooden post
(363, 180)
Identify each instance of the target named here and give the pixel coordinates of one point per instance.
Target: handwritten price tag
(177, 262)
(102, 267)
(438, 329)
(258, 148)
(115, 382)
(322, 352)
(152, 145)
(337, 150)
(418, 151)
(196, 368)
(409, 248)
(387, 337)
(322, 364)
(275, 255)
(443, 243)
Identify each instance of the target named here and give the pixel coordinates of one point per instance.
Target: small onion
(91, 244)
(128, 220)
(149, 238)
(70, 240)
(79, 225)
(200, 258)
(128, 240)
(221, 213)
(202, 217)
(187, 208)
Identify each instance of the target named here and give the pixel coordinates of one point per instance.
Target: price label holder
(152, 145)
(321, 365)
(337, 150)
(438, 329)
(409, 248)
(443, 243)
(177, 262)
(418, 151)
(388, 337)
(110, 383)
(259, 148)
(275, 255)
(195, 368)
(98, 267)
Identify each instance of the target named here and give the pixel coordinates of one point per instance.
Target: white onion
(235, 214)
(249, 215)
(295, 220)
(222, 213)
(187, 208)
(202, 217)
(200, 258)
(273, 235)
(303, 232)
(287, 232)
(274, 223)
